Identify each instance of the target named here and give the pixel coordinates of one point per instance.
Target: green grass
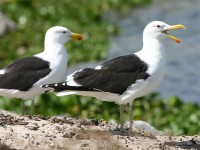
(34, 17)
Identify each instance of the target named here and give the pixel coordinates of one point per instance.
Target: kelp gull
(124, 78)
(23, 78)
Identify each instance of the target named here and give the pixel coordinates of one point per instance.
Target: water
(183, 60)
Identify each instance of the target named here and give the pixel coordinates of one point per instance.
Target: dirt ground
(62, 133)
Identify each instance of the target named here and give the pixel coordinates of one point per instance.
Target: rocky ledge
(63, 133)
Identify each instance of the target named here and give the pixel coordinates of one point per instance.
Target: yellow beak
(174, 27)
(77, 36)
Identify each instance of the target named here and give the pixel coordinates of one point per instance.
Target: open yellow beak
(174, 27)
(77, 36)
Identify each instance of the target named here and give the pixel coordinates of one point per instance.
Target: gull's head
(61, 35)
(159, 30)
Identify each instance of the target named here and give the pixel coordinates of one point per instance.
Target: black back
(23, 73)
(115, 76)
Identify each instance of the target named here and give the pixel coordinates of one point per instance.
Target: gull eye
(158, 26)
(64, 32)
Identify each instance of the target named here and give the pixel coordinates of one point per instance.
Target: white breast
(156, 60)
(58, 65)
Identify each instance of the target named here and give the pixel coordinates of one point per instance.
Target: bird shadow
(125, 132)
(188, 144)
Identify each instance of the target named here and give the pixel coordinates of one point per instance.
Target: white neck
(153, 48)
(54, 47)
(153, 52)
(53, 51)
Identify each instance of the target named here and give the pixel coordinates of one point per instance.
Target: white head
(158, 30)
(60, 35)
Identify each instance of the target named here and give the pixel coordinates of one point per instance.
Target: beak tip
(178, 41)
(183, 27)
(80, 38)
(77, 36)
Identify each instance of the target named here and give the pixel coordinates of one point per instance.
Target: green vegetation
(34, 17)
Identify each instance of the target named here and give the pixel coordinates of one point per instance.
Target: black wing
(23, 73)
(115, 76)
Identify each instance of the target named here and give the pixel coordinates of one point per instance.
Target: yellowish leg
(130, 117)
(121, 117)
(32, 106)
(23, 107)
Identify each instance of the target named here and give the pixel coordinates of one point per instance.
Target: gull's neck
(53, 50)
(153, 53)
(153, 48)
(53, 47)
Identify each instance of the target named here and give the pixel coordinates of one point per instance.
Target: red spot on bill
(178, 41)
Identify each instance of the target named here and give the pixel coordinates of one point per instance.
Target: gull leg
(32, 106)
(121, 116)
(23, 107)
(130, 116)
